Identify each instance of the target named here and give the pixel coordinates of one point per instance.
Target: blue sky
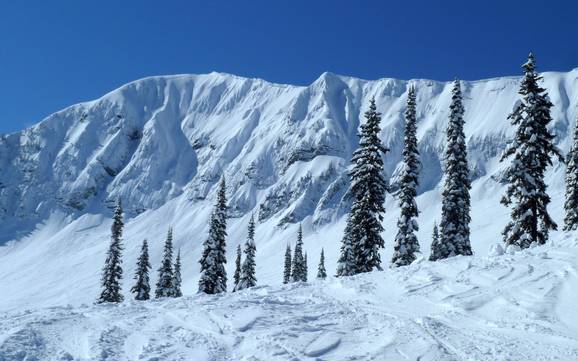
(57, 53)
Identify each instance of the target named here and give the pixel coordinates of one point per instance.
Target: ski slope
(519, 306)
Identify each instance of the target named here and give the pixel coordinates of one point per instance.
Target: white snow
(162, 143)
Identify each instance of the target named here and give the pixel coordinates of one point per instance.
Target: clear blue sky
(56, 53)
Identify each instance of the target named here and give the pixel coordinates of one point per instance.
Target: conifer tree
(165, 285)
(237, 274)
(571, 203)
(177, 280)
(248, 277)
(213, 274)
(321, 272)
(298, 271)
(530, 153)
(368, 189)
(406, 244)
(455, 224)
(112, 270)
(305, 268)
(346, 265)
(435, 246)
(142, 288)
(287, 267)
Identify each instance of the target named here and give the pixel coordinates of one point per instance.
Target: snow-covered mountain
(162, 143)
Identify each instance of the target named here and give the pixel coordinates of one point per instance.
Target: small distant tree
(346, 265)
(112, 270)
(248, 277)
(321, 272)
(142, 287)
(571, 203)
(298, 273)
(213, 274)
(165, 282)
(237, 274)
(177, 279)
(435, 246)
(305, 268)
(287, 267)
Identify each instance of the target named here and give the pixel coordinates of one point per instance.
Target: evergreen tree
(248, 277)
(237, 274)
(571, 203)
(368, 189)
(213, 274)
(287, 267)
(455, 224)
(435, 246)
(298, 271)
(346, 265)
(177, 280)
(112, 270)
(530, 152)
(321, 272)
(406, 244)
(165, 281)
(142, 287)
(305, 268)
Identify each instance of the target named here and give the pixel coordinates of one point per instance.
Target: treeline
(528, 155)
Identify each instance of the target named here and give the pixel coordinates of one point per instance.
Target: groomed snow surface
(518, 306)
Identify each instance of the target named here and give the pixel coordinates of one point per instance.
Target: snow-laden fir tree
(287, 265)
(455, 223)
(435, 246)
(368, 189)
(530, 152)
(142, 288)
(321, 272)
(237, 274)
(571, 202)
(346, 264)
(165, 281)
(112, 270)
(298, 273)
(213, 274)
(248, 277)
(177, 279)
(406, 244)
(305, 268)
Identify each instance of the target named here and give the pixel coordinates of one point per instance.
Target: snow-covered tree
(530, 153)
(305, 268)
(455, 223)
(248, 277)
(112, 270)
(165, 281)
(346, 264)
(571, 203)
(321, 272)
(213, 274)
(237, 274)
(177, 280)
(368, 189)
(298, 273)
(435, 246)
(406, 244)
(287, 266)
(142, 288)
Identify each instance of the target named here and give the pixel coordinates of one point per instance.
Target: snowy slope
(162, 143)
(506, 307)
